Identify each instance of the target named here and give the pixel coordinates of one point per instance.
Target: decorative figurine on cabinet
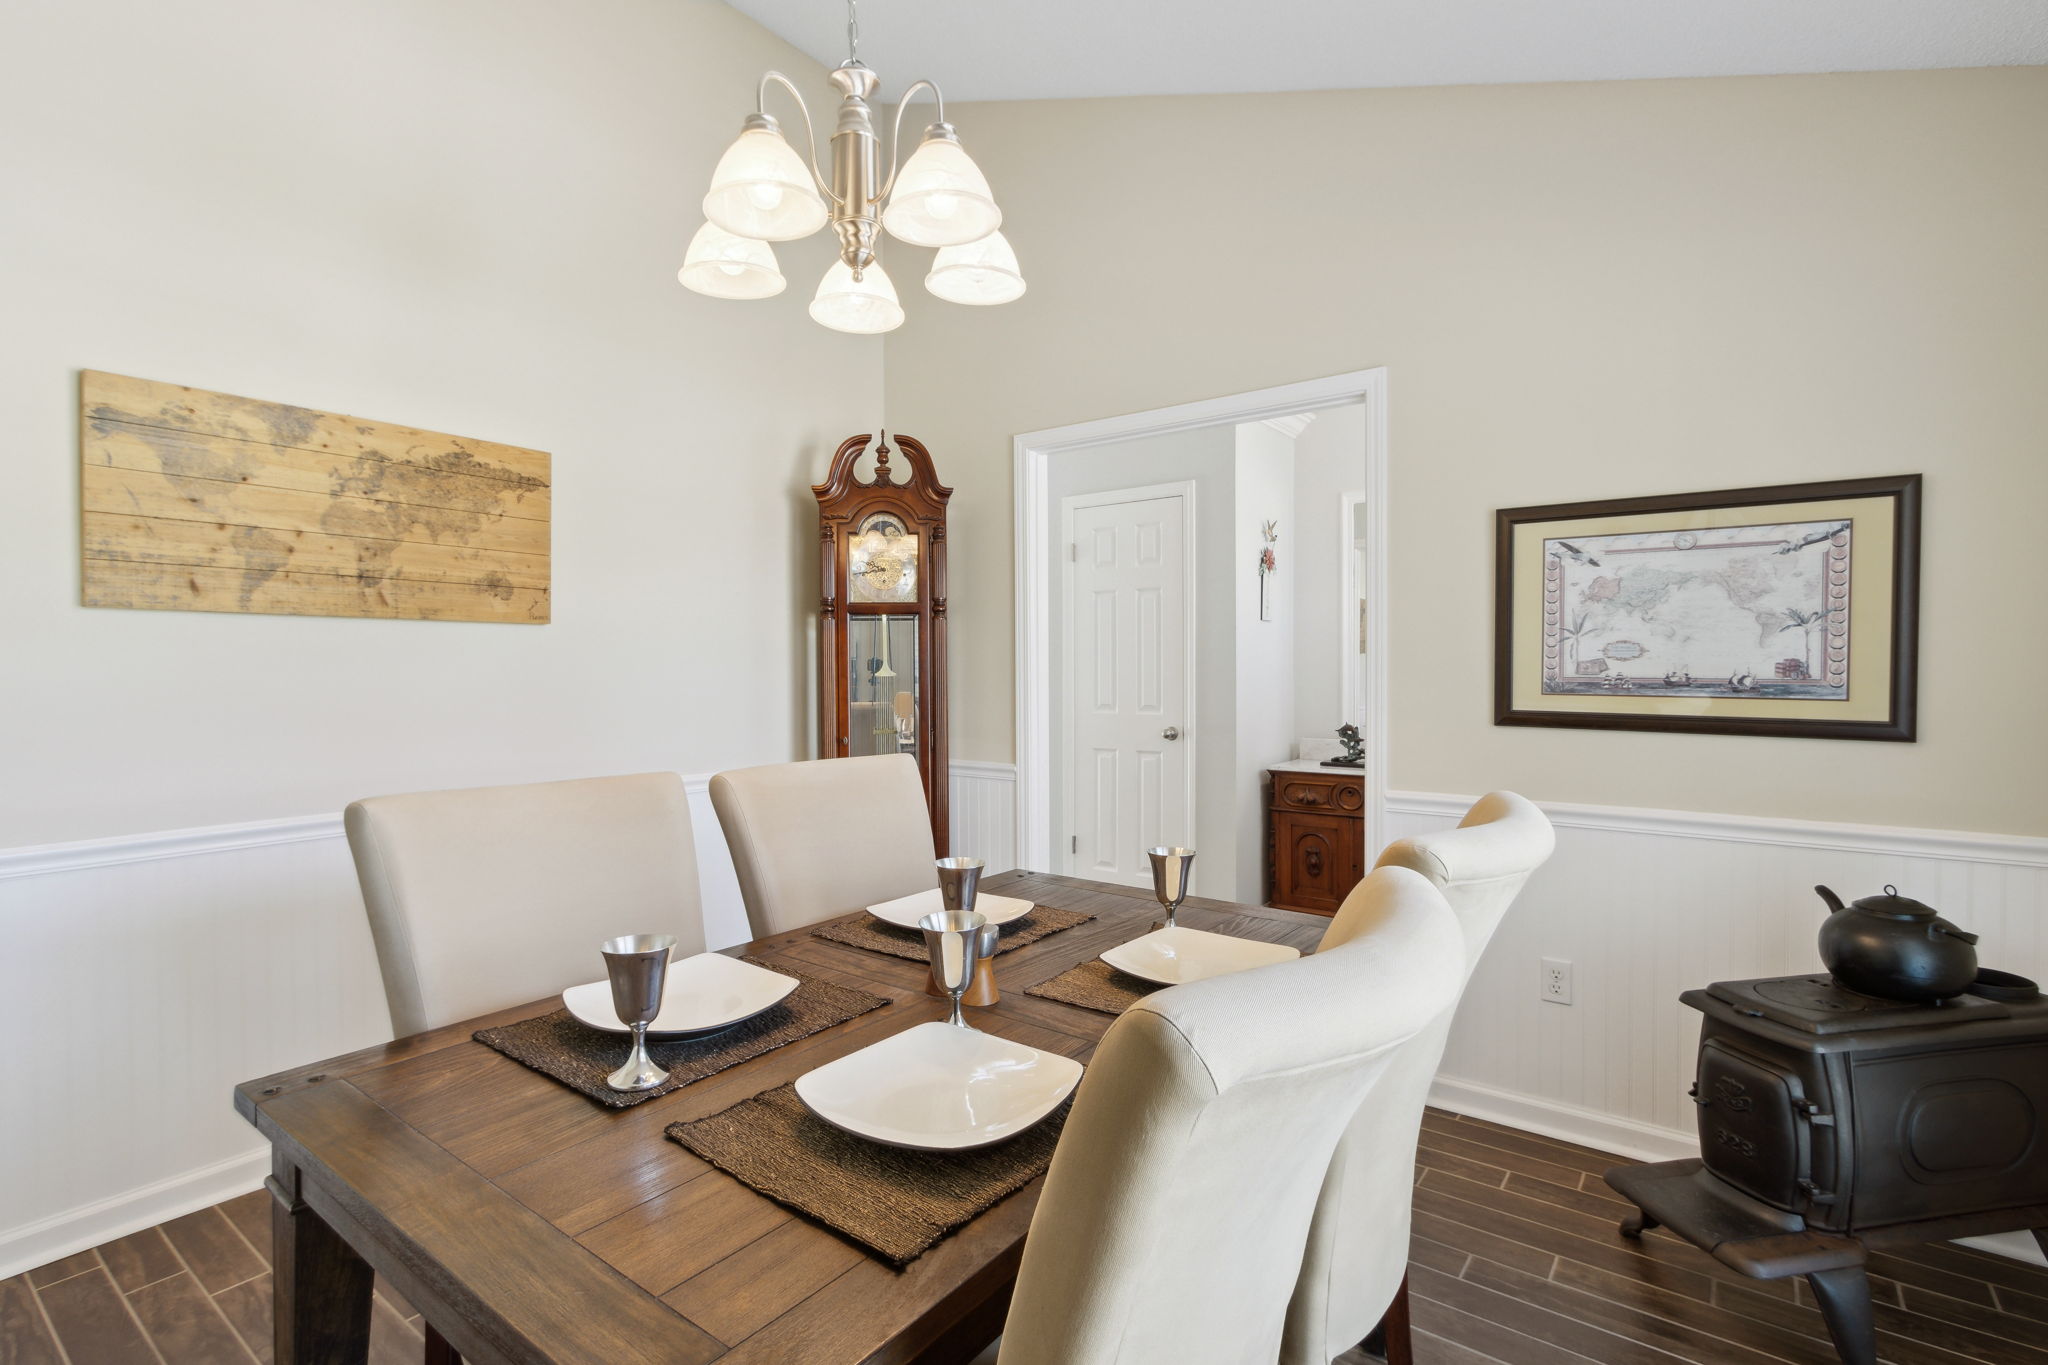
(882, 617)
(1354, 749)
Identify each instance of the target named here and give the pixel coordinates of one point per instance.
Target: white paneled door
(1129, 684)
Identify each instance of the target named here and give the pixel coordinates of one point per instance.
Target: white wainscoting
(1645, 904)
(983, 813)
(187, 961)
(177, 965)
(190, 960)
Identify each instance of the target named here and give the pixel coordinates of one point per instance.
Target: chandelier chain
(853, 30)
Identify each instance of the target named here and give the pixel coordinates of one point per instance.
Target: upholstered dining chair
(1173, 1219)
(1354, 1282)
(818, 839)
(490, 896)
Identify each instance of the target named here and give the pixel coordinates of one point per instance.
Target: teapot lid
(1894, 906)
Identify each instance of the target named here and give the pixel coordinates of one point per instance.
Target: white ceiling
(1062, 49)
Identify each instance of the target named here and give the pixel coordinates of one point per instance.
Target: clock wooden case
(882, 618)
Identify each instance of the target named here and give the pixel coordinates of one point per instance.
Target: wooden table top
(530, 1224)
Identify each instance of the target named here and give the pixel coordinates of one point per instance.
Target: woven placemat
(558, 1045)
(893, 1203)
(1095, 985)
(865, 931)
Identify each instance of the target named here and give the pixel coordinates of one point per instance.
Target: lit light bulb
(940, 198)
(730, 267)
(764, 197)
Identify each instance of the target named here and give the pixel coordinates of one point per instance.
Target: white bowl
(939, 1088)
(1174, 957)
(702, 994)
(908, 910)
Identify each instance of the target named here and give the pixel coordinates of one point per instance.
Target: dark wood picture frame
(918, 502)
(1900, 721)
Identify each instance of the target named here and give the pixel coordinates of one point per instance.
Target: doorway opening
(1164, 661)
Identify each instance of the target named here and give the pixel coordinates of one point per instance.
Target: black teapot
(1896, 948)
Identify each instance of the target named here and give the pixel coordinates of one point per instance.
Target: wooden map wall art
(198, 501)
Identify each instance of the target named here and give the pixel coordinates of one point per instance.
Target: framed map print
(1754, 611)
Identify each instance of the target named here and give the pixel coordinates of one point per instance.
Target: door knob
(1170, 732)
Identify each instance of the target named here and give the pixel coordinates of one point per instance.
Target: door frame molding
(1348, 588)
(1184, 489)
(1032, 454)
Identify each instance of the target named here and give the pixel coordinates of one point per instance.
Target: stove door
(1753, 1131)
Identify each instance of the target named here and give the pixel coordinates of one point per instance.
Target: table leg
(1391, 1340)
(320, 1288)
(1844, 1298)
(439, 1352)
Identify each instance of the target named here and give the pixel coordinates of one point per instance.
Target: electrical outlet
(1555, 983)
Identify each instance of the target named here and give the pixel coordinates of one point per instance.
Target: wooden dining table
(529, 1224)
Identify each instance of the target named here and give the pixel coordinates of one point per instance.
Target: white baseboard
(2021, 1246)
(90, 1225)
(1566, 1123)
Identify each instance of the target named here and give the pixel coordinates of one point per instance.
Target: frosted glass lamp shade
(941, 197)
(729, 267)
(763, 190)
(979, 272)
(865, 305)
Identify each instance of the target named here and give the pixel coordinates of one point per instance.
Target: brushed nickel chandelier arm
(896, 133)
(810, 129)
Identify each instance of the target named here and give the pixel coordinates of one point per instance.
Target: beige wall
(464, 216)
(1580, 291)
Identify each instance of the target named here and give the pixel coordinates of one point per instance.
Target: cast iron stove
(1832, 1121)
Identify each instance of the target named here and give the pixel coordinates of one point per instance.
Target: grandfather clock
(882, 620)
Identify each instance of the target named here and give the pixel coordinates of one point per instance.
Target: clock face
(882, 561)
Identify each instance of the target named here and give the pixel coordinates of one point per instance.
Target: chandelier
(763, 192)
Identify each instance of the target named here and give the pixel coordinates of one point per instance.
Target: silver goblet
(952, 939)
(1170, 867)
(638, 966)
(959, 881)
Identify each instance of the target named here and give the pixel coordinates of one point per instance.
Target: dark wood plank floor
(193, 1291)
(1515, 1262)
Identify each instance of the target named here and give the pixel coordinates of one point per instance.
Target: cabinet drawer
(1344, 795)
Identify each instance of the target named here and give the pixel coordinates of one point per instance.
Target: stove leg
(1844, 1297)
(1635, 1223)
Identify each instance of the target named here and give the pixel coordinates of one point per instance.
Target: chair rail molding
(83, 855)
(2015, 850)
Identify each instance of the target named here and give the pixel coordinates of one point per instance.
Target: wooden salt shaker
(982, 991)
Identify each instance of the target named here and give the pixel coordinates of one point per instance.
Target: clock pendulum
(884, 724)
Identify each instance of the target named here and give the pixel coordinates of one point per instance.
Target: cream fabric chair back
(814, 840)
(1173, 1219)
(1358, 1247)
(1482, 865)
(492, 896)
